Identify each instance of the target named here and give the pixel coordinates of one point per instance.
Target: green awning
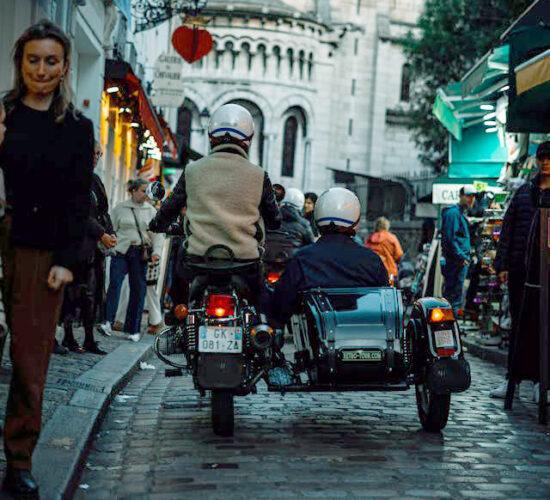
(488, 71)
(478, 170)
(478, 155)
(444, 111)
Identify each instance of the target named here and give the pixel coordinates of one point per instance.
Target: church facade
(326, 82)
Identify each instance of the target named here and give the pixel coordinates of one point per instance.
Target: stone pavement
(157, 444)
(74, 388)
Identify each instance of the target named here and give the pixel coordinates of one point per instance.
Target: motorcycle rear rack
(375, 386)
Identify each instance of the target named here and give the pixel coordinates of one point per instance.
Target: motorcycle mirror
(155, 191)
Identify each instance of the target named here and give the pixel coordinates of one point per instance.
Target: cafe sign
(449, 194)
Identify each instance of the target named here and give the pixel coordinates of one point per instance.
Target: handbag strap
(137, 226)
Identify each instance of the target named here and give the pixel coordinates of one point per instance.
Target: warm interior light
(134, 124)
(112, 90)
(439, 315)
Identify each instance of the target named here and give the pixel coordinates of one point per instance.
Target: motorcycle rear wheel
(433, 409)
(223, 412)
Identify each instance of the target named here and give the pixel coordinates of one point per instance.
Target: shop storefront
(132, 134)
(496, 116)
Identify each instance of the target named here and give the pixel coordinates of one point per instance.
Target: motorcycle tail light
(445, 352)
(220, 306)
(439, 315)
(273, 277)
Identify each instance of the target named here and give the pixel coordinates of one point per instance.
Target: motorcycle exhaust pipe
(262, 336)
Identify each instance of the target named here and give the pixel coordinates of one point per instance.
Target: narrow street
(156, 444)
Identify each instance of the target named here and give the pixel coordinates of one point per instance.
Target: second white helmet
(294, 197)
(338, 206)
(231, 123)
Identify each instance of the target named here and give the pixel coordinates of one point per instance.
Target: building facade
(325, 80)
(101, 32)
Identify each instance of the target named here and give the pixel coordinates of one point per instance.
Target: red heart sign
(192, 43)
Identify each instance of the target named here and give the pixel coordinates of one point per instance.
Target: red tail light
(220, 306)
(273, 277)
(445, 352)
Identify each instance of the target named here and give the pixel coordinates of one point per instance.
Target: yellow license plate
(361, 355)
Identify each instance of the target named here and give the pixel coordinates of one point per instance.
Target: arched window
(289, 146)
(406, 83)
(310, 67)
(185, 121)
(301, 62)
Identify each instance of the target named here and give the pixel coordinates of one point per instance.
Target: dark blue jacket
(334, 261)
(512, 245)
(455, 235)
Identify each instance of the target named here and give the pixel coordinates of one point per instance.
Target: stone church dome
(263, 7)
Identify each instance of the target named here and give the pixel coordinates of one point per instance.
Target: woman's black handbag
(146, 250)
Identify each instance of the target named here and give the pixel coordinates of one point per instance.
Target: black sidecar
(353, 339)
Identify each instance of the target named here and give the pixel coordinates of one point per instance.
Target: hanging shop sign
(167, 83)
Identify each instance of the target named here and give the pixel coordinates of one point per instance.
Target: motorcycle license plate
(360, 355)
(224, 339)
(444, 338)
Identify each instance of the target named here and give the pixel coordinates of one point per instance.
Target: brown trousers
(32, 311)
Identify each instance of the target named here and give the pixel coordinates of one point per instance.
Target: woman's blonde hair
(64, 95)
(382, 224)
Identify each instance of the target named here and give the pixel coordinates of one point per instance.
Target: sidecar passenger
(335, 260)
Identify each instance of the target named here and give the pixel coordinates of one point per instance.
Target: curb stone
(63, 445)
(491, 354)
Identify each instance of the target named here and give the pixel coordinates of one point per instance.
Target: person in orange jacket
(386, 245)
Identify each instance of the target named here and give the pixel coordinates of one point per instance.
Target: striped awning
(533, 73)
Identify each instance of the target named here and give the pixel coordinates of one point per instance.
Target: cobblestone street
(157, 444)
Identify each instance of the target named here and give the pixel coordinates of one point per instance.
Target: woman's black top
(48, 175)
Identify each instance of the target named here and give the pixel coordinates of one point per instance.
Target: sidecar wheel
(433, 409)
(223, 413)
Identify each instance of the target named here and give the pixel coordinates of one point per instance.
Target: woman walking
(130, 221)
(47, 158)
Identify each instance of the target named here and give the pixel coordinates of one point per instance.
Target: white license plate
(225, 339)
(444, 338)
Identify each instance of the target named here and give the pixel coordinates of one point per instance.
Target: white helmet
(338, 206)
(231, 123)
(294, 197)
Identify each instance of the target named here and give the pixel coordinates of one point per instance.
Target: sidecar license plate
(444, 338)
(225, 339)
(360, 355)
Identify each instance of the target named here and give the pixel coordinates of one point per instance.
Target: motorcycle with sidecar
(346, 339)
